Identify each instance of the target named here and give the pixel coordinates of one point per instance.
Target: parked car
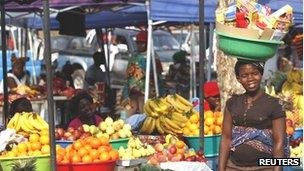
(79, 51)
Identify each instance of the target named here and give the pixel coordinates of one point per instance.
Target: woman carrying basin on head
(254, 124)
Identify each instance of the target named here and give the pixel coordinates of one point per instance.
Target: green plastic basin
(249, 49)
(42, 162)
(211, 144)
(122, 142)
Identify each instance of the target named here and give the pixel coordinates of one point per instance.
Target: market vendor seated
(212, 96)
(82, 108)
(17, 75)
(20, 105)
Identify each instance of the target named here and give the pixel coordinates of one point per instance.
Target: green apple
(86, 128)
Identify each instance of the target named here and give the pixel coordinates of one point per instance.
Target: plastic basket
(42, 162)
(211, 144)
(297, 134)
(123, 142)
(97, 166)
(249, 49)
(64, 144)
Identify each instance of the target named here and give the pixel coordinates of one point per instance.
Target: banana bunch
(27, 122)
(25, 90)
(166, 115)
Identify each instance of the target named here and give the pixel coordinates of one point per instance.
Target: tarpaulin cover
(188, 10)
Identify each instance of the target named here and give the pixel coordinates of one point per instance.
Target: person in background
(212, 96)
(254, 124)
(17, 75)
(179, 73)
(96, 72)
(83, 110)
(20, 105)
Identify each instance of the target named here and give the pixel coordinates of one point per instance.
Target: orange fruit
(69, 147)
(208, 114)
(22, 147)
(114, 155)
(209, 121)
(44, 132)
(88, 147)
(59, 158)
(94, 154)
(194, 118)
(217, 114)
(87, 159)
(44, 140)
(186, 131)
(77, 145)
(76, 159)
(217, 130)
(193, 127)
(180, 151)
(289, 130)
(95, 143)
(104, 140)
(88, 140)
(96, 160)
(11, 154)
(104, 156)
(34, 138)
(15, 150)
(180, 144)
(104, 149)
(30, 153)
(35, 146)
(82, 152)
(45, 149)
(65, 161)
(206, 129)
(219, 121)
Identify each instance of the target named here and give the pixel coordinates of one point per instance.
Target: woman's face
(85, 108)
(141, 46)
(249, 77)
(18, 69)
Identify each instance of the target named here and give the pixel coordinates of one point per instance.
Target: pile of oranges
(87, 150)
(212, 124)
(38, 144)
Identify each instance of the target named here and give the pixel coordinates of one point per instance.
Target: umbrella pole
(202, 56)
(148, 53)
(4, 63)
(49, 78)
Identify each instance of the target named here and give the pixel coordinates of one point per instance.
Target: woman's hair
(20, 105)
(74, 103)
(258, 65)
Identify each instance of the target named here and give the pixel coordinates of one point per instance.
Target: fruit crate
(96, 166)
(246, 48)
(64, 143)
(122, 142)
(211, 144)
(42, 162)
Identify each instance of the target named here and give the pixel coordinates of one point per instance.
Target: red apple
(57, 137)
(172, 149)
(70, 129)
(188, 158)
(67, 134)
(77, 134)
(80, 129)
(200, 153)
(71, 138)
(159, 147)
(60, 132)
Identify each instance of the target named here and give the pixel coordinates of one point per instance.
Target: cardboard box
(265, 34)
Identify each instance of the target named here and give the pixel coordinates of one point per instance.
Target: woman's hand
(225, 141)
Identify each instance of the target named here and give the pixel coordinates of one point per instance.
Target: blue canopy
(187, 10)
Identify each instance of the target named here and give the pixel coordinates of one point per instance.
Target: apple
(71, 138)
(70, 129)
(153, 161)
(57, 137)
(200, 159)
(67, 134)
(77, 134)
(60, 132)
(115, 136)
(159, 147)
(289, 123)
(188, 158)
(172, 149)
(80, 129)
